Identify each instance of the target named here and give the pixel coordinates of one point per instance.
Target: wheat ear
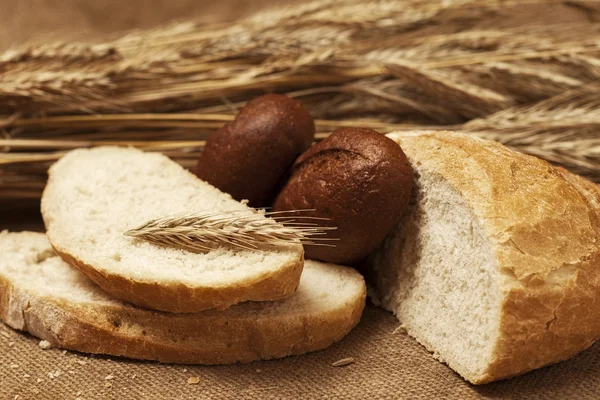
(248, 230)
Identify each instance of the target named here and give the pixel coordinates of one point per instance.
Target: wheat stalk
(564, 129)
(324, 43)
(248, 230)
(382, 64)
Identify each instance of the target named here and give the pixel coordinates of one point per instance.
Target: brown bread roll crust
(248, 156)
(360, 180)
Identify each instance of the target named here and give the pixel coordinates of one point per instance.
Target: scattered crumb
(11, 344)
(343, 362)
(194, 380)
(5, 334)
(258, 370)
(71, 371)
(133, 376)
(40, 380)
(55, 374)
(64, 352)
(78, 393)
(81, 362)
(109, 377)
(108, 359)
(13, 366)
(107, 385)
(36, 391)
(45, 345)
(16, 397)
(185, 370)
(26, 376)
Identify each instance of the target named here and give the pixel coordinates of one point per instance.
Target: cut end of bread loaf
(494, 268)
(43, 295)
(94, 196)
(436, 273)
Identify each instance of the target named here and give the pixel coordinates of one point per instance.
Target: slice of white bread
(495, 268)
(43, 295)
(94, 196)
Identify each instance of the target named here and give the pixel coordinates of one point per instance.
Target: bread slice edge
(180, 298)
(212, 338)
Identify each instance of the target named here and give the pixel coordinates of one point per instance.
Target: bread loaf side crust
(571, 323)
(590, 190)
(542, 326)
(275, 285)
(546, 240)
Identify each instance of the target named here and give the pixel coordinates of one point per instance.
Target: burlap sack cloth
(388, 365)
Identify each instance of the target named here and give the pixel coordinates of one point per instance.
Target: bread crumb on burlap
(45, 345)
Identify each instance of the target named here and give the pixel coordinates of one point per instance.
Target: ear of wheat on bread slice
(94, 196)
(496, 266)
(43, 295)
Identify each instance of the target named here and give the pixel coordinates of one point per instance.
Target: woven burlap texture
(388, 365)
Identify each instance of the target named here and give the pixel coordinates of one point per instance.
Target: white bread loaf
(94, 196)
(495, 268)
(43, 295)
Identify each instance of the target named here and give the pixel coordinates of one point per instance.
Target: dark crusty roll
(360, 180)
(248, 156)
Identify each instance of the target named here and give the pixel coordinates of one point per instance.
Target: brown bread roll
(248, 156)
(360, 180)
